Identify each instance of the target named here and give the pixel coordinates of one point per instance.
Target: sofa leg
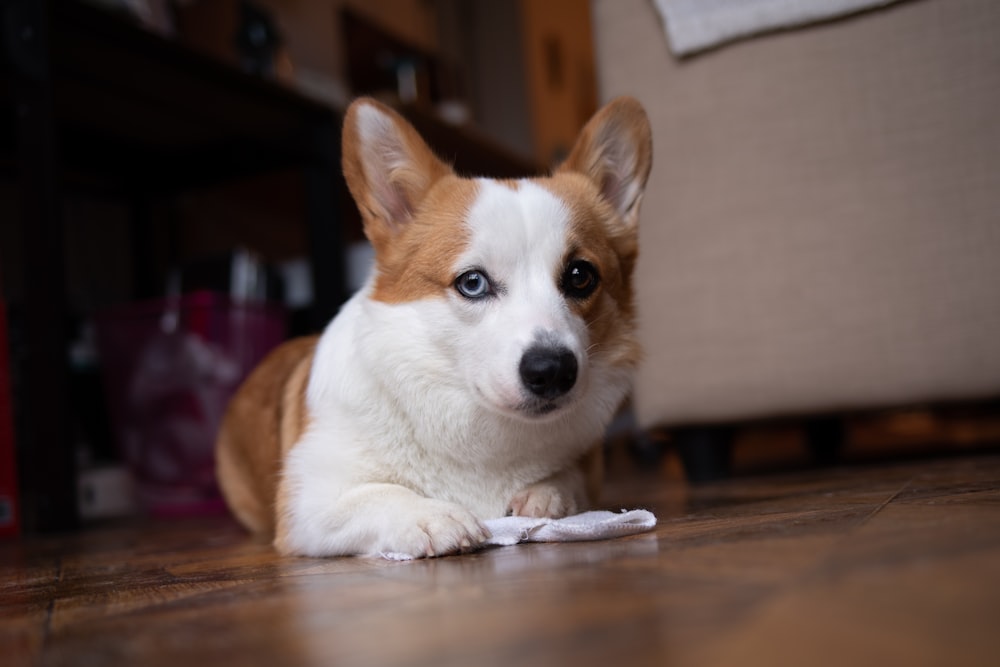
(825, 439)
(705, 452)
(647, 449)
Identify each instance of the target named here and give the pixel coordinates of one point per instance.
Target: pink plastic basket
(169, 368)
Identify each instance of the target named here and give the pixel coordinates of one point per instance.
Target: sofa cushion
(822, 226)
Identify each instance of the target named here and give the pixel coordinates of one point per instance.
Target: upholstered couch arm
(822, 227)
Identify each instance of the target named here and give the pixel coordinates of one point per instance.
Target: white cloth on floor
(596, 525)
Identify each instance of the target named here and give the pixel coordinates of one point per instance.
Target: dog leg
(372, 519)
(556, 496)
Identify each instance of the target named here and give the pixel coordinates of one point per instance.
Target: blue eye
(474, 284)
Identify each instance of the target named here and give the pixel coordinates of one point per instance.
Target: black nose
(548, 372)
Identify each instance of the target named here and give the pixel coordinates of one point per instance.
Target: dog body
(475, 372)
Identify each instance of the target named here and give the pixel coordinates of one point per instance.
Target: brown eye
(580, 279)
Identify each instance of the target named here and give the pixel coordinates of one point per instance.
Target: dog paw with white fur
(433, 528)
(543, 499)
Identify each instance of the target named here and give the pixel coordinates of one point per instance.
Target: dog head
(523, 288)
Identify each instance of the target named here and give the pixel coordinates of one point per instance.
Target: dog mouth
(544, 409)
(540, 409)
(528, 408)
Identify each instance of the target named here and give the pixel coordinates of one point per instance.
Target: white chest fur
(389, 406)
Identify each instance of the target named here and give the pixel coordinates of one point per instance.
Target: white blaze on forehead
(518, 236)
(515, 229)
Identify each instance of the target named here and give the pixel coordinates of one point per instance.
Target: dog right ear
(388, 167)
(615, 150)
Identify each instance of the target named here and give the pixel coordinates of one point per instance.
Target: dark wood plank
(866, 565)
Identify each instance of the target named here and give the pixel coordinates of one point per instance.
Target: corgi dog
(474, 373)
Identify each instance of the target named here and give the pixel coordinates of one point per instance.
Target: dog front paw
(542, 500)
(433, 528)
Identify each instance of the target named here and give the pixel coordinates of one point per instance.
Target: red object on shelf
(169, 368)
(9, 513)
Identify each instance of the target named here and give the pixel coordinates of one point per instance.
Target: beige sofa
(821, 232)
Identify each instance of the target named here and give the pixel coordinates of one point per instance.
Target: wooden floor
(877, 565)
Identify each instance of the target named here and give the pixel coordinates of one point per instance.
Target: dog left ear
(387, 166)
(615, 149)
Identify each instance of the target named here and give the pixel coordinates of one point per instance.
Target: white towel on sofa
(696, 25)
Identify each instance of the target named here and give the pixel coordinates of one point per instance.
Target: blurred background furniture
(821, 231)
(131, 115)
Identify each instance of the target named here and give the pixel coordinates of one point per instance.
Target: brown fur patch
(266, 416)
(615, 150)
(597, 235)
(592, 465)
(418, 262)
(388, 173)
